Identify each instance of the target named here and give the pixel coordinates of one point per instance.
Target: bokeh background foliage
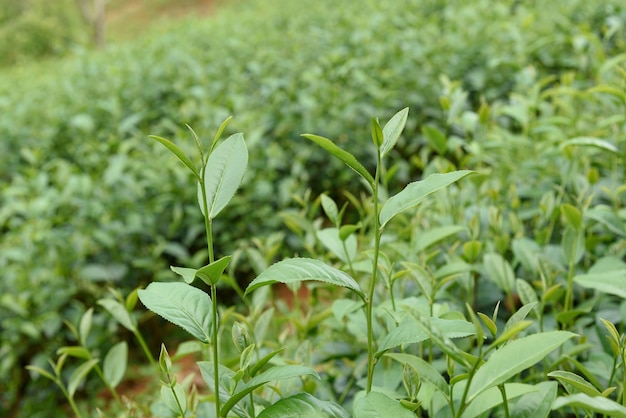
(89, 202)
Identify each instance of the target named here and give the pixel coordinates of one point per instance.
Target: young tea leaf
(610, 282)
(181, 304)
(515, 357)
(77, 377)
(344, 156)
(178, 153)
(492, 397)
(114, 365)
(211, 273)
(575, 381)
(596, 404)
(416, 192)
(295, 270)
(424, 369)
(378, 405)
(392, 130)
(303, 405)
(223, 173)
(536, 404)
(119, 312)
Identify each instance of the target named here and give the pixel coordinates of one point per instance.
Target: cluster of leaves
(539, 112)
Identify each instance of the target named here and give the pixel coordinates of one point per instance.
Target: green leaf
(596, 404)
(119, 312)
(572, 215)
(43, 372)
(440, 339)
(219, 133)
(587, 141)
(410, 332)
(181, 304)
(377, 133)
(330, 208)
(188, 275)
(575, 381)
(610, 282)
(169, 396)
(416, 192)
(114, 365)
(212, 273)
(492, 397)
(499, 271)
(344, 156)
(436, 139)
(331, 239)
(305, 406)
(78, 376)
(424, 369)
(606, 216)
(515, 357)
(178, 153)
(295, 270)
(392, 130)
(431, 236)
(520, 315)
(223, 173)
(85, 326)
(75, 351)
(536, 404)
(378, 405)
(573, 244)
(273, 374)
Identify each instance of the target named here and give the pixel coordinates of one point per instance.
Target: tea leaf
(295, 270)
(597, 404)
(114, 365)
(611, 282)
(499, 271)
(416, 192)
(492, 397)
(178, 153)
(119, 312)
(169, 395)
(344, 156)
(181, 304)
(436, 139)
(392, 130)
(188, 275)
(587, 141)
(377, 133)
(571, 379)
(572, 215)
(303, 405)
(79, 375)
(515, 357)
(211, 273)
(425, 370)
(536, 404)
(330, 208)
(223, 173)
(378, 405)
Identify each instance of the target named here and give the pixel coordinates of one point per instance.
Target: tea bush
(529, 94)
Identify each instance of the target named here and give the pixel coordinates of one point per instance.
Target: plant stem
(145, 348)
(108, 385)
(504, 401)
(216, 376)
(369, 303)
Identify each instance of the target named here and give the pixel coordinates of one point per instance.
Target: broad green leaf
(78, 375)
(606, 216)
(303, 405)
(188, 275)
(436, 139)
(344, 156)
(392, 130)
(573, 244)
(424, 369)
(440, 339)
(610, 282)
(377, 133)
(492, 397)
(331, 239)
(223, 173)
(598, 404)
(119, 312)
(587, 141)
(416, 192)
(536, 404)
(181, 304)
(378, 405)
(577, 382)
(295, 270)
(211, 273)
(515, 357)
(410, 332)
(178, 153)
(572, 215)
(272, 374)
(114, 365)
(170, 395)
(499, 271)
(431, 236)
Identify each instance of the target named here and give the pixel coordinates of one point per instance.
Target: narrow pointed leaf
(45, 373)
(587, 141)
(295, 270)
(303, 405)
(178, 153)
(596, 404)
(223, 173)
(343, 155)
(211, 273)
(119, 312)
(377, 133)
(392, 130)
(114, 365)
(78, 375)
(181, 304)
(219, 132)
(579, 383)
(515, 357)
(75, 351)
(273, 374)
(424, 369)
(416, 192)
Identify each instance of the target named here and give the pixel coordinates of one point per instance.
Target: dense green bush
(87, 202)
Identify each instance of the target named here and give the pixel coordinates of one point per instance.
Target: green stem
(216, 376)
(507, 414)
(369, 303)
(108, 385)
(73, 405)
(145, 348)
(569, 294)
